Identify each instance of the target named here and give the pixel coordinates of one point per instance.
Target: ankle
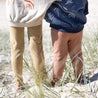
(20, 87)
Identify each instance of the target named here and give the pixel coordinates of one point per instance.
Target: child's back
(69, 15)
(67, 19)
(27, 13)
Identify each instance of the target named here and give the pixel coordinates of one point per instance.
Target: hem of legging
(66, 29)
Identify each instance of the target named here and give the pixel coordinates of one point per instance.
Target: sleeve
(86, 8)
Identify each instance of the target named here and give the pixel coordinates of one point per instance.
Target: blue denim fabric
(68, 15)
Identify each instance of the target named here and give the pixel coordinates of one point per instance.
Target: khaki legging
(17, 49)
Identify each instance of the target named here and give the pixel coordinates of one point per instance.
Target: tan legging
(64, 44)
(17, 49)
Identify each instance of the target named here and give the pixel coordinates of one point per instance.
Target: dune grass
(67, 87)
(90, 51)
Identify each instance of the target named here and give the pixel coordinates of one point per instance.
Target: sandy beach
(7, 90)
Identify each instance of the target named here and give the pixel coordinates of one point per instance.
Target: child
(67, 19)
(26, 13)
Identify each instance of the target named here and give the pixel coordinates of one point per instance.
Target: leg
(36, 48)
(17, 49)
(75, 53)
(60, 49)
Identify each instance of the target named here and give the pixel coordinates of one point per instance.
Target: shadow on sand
(94, 77)
(90, 79)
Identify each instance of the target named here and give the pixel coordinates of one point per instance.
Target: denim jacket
(68, 15)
